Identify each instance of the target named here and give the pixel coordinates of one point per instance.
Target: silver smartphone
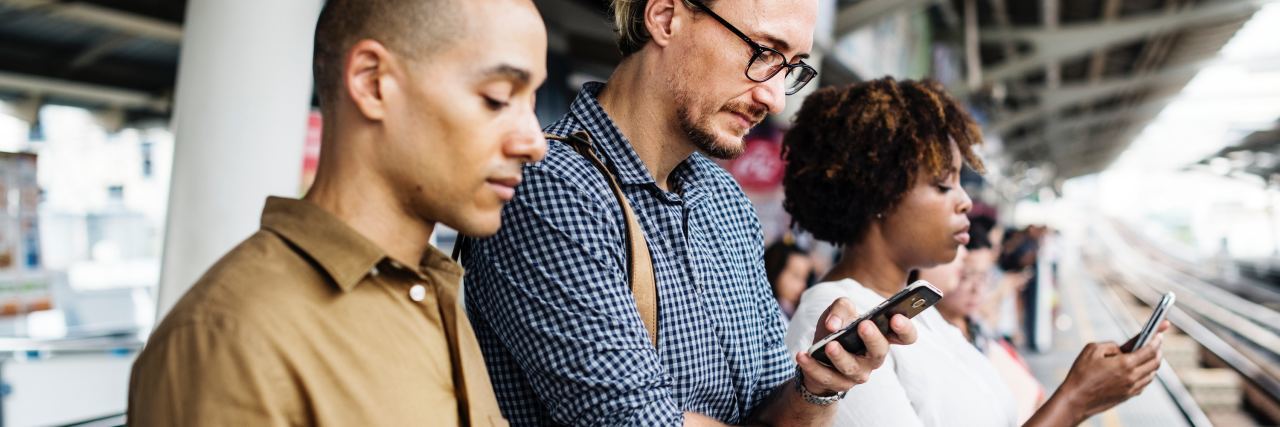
(1157, 316)
(909, 302)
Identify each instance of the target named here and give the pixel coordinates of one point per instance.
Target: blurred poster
(760, 166)
(759, 171)
(19, 196)
(20, 260)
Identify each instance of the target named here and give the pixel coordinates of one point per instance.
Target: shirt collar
(607, 138)
(343, 254)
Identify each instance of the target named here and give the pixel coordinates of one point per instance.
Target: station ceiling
(118, 54)
(1063, 82)
(1068, 83)
(1072, 82)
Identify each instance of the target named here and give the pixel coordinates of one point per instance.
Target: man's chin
(725, 146)
(479, 225)
(713, 140)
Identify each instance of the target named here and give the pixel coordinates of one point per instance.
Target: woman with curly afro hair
(875, 168)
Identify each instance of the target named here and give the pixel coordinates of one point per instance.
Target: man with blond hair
(567, 338)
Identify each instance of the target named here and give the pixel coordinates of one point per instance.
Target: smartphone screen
(1153, 323)
(908, 302)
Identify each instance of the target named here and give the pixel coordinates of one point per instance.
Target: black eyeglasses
(765, 62)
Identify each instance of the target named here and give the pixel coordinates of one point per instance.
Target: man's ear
(660, 20)
(366, 76)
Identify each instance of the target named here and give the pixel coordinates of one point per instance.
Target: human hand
(1128, 345)
(848, 369)
(1104, 375)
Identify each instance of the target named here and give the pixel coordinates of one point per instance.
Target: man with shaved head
(338, 311)
(570, 330)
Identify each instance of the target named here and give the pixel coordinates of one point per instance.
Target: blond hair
(628, 23)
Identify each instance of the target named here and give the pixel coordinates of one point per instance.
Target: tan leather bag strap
(644, 285)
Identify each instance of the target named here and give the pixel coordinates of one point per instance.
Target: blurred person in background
(1018, 258)
(875, 167)
(956, 292)
(789, 270)
(999, 308)
(966, 281)
(339, 311)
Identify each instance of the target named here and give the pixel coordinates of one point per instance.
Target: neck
(647, 121)
(870, 264)
(363, 200)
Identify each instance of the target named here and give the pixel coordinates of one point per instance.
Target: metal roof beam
(1051, 100)
(1148, 108)
(53, 88)
(98, 50)
(104, 17)
(865, 12)
(1079, 39)
(1073, 127)
(1098, 62)
(1069, 158)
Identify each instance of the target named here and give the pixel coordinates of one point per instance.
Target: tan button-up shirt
(309, 323)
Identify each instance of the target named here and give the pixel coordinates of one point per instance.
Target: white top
(941, 380)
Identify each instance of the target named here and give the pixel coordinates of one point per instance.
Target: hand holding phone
(1153, 323)
(908, 302)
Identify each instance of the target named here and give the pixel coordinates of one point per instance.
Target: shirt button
(418, 293)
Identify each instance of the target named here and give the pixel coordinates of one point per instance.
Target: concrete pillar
(244, 87)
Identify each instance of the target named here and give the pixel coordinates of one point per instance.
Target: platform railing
(27, 349)
(1243, 334)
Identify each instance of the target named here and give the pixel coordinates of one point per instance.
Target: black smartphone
(908, 302)
(1149, 330)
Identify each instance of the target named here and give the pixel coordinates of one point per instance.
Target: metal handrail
(105, 421)
(1175, 265)
(1253, 321)
(1172, 384)
(70, 344)
(19, 349)
(1192, 307)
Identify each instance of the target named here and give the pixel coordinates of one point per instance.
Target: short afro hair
(855, 151)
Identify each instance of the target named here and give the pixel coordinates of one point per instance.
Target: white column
(244, 88)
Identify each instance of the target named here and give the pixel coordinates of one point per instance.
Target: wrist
(813, 386)
(1070, 401)
(816, 394)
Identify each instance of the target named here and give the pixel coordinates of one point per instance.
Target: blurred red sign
(311, 150)
(760, 167)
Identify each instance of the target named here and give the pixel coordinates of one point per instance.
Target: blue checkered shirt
(550, 303)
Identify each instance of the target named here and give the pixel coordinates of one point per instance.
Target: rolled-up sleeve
(552, 286)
